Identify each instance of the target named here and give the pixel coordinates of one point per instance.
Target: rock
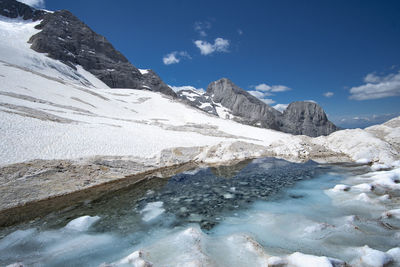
(64, 37)
(302, 117)
(198, 100)
(308, 118)
(14, 9)
(247, 108)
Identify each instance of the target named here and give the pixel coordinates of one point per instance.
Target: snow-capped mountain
(63, 37)
(228, 101)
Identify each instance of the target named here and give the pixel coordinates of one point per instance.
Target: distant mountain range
(65, 38)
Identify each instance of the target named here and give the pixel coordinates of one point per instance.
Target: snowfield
(51, 111)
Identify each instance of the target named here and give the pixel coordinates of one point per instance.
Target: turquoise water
(280, 205)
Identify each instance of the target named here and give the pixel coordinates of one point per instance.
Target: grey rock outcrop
(308, 118)
(13, 9)
(64, 37)
(245, 107)
(198, 100)
(302, 117)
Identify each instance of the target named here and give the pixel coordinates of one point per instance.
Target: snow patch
(82, 223)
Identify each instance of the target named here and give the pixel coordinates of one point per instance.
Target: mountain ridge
(300, 117)
(65, 38)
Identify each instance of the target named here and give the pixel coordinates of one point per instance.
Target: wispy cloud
(34, 3)
(328, 94)
(240, 32)
(201, 27)
(361, 121)
(377, 87)
(175, 57)
(259, 94)
(219, 45)
(263, 90)
(274, 88)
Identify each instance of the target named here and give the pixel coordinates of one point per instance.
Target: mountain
(64, 37)
(308, 118)
(77, 49)
(242, 105)
(229, 101)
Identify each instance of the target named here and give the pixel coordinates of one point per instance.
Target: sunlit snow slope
(49, 110)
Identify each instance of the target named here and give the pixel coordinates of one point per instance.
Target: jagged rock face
(301, 117)
(245, 107)
(13, 9)
(64, 37)
(306, 118)
(153, 82)
(198, 100)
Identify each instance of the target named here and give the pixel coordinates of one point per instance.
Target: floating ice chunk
(364, 198)
(341, 187)
(276, 262)
(384, 198)
(379, 166)
(82, 223)
(17, 264)
(152, 210)
(363, 161)
(304, 260)
(392, 213)
(363, 187)
(135, 259)
(395, 254)
(373, 258)
(229, 195)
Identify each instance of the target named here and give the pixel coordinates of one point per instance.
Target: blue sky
(345, 55)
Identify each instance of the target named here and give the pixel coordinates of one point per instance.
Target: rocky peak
(14, 9)
(66, 38)
(302, 117)
(308, 118)
(199, 100)
(245, 107)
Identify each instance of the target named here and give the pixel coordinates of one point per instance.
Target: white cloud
(328, 94)
(206, 48)
(240, 32)
(280, 107)
(33, 3)
(175, 57)
(187, 87)
(274, 88)
(268, 101)
(263, 90)
(260, 95)
(201, 27)
(312, 101)
(377, 87)
(362, 121)
(257, 94)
